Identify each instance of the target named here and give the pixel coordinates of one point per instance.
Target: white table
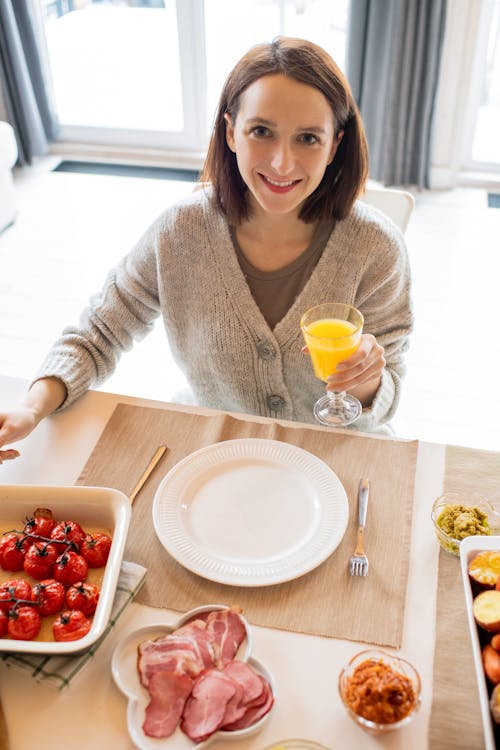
(92, 711)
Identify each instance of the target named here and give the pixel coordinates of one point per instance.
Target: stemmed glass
(332, 333)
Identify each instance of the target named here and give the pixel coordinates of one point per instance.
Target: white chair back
(396, 204)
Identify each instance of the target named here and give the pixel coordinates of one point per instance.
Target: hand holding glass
(332, 333)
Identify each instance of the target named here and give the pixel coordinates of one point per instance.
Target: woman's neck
(273, 242)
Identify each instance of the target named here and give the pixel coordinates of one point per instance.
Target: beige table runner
(455, 719)
(326, 601)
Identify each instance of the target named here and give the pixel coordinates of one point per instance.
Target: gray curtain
(26, 86)
(393, 57)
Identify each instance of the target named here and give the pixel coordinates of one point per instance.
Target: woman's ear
(335, 145)
(229, 131)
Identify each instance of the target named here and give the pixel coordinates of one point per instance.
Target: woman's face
(283, 138)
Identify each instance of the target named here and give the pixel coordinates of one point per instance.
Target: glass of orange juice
(332, 333)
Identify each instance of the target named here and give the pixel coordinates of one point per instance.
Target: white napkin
(60, 670)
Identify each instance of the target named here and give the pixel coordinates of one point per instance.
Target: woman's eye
(308, 138)
(260, 131)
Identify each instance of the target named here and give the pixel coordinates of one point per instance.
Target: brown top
(276, 291)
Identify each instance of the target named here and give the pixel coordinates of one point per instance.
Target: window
(147, 73)
(485, 146)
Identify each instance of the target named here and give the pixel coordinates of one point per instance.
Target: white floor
(71, 227)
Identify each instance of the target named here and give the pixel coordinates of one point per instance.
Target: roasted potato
(486, 610)
(484, 568)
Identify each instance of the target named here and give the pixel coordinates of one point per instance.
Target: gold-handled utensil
(358, 564)
(147, 471)
(4, 735)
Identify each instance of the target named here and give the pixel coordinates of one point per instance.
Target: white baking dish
(469, 547)
(90, 507)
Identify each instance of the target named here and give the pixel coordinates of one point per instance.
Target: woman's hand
(15, 425)
(361, 373)
(44, 396)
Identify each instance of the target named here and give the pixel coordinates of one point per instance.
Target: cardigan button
(276, 403)
(265, 350)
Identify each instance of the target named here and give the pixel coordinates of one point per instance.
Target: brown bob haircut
(344, 179)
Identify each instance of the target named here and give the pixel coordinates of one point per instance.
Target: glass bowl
(450, 541)
(364, 675)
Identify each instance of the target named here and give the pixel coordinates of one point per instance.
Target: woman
(274, 230)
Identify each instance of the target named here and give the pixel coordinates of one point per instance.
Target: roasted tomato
(39, 560)
(7, 600)
(95, 549)
(12, 591)
(71, 625)
(70, 568)
(40, 525)
(12, 551)
(24, 623)
(83, 596)
(69, 531)
(50, 594)
(3, 623)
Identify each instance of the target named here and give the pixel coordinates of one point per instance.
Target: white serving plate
(469, 547)
(90, 507)
(250, 512)
(126, 677)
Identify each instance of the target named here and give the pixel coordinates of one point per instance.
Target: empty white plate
(250, 512)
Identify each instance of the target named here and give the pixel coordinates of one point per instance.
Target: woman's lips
(278, 186)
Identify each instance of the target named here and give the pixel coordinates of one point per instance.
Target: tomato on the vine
(70, 568)
(12, 551)
(39, 560)
(12, 590)
(51, 595)
(83, 596)
(71, 625)
(95, 549)
(24, 623)
(40, 525)
(3, 623)
(68, 531)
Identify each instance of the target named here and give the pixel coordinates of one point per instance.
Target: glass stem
(336, 397)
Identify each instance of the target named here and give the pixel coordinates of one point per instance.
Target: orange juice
(330, 341)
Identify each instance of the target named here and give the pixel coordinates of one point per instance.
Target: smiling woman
(280, 150)
(275, 229)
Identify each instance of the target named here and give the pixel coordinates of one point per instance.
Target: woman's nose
(283, 160)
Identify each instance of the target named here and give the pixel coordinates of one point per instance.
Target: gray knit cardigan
(185, 269)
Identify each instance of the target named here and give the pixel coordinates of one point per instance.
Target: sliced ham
(193, 678)
(242, 673)
(259, 708)
(205, 708)
(187, 650)
(169, 693)
(227, 632)
(250, 688)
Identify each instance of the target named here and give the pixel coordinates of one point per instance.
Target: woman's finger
(8, 454)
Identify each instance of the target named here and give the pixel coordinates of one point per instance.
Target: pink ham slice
(187, 650)
(255, 710)
(205, 708)
(169, 693)
(250, 688)
(227, 632)
(224, 692)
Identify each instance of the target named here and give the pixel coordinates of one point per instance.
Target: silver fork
(358, 564)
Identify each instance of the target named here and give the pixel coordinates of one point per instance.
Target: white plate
(90, 506)
(250, 512)
(469, 548)
(126, 677)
